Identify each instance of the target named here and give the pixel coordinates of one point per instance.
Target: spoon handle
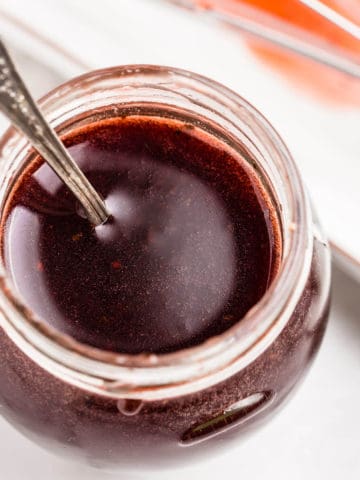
(19, 106)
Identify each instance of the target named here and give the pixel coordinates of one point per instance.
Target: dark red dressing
(191, 246)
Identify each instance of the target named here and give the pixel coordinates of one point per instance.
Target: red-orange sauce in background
(323, 82)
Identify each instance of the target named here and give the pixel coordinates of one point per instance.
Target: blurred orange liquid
(324, 82)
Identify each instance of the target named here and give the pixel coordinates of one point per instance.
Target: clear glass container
(143, 411)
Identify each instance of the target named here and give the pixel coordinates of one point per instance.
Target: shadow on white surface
(346, 303)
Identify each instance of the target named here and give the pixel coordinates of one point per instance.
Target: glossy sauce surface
(192, 244)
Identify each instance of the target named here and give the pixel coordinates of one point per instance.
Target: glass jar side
(114, 426)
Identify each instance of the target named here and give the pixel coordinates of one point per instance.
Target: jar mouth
(153, 376)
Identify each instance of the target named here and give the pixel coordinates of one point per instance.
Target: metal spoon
(21, 109)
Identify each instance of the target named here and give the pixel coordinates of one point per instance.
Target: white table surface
(317, 435)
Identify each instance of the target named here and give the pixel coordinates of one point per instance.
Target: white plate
(324, 139)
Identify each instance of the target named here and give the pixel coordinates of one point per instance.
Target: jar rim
(152, 376)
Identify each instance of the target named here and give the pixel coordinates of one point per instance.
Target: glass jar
(114, 409)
